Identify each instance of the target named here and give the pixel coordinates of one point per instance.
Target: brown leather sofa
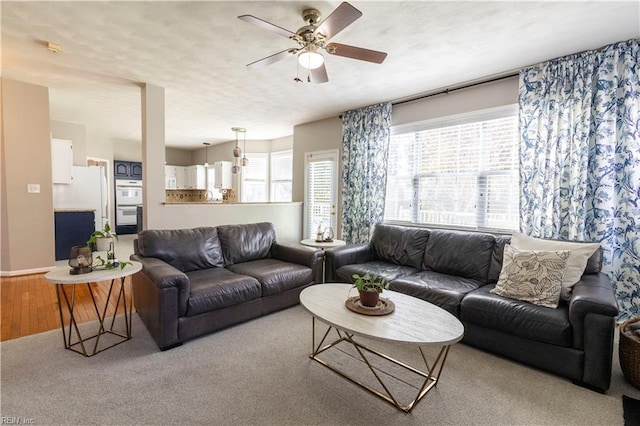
(456, 271)
(195, 281)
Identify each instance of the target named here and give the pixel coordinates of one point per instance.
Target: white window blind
(281, 176)
(254, 179)
(461, 175)
(320, 195)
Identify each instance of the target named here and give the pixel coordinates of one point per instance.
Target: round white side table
(66, 290)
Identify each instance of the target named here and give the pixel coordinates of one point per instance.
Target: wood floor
(29, 304)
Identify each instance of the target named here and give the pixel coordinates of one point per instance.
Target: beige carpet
(259, 373)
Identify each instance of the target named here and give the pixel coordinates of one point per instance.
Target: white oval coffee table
(413, 322)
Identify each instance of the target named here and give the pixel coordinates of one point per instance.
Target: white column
(153, 154)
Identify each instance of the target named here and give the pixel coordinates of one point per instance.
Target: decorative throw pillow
(532, 276)
(576, 264)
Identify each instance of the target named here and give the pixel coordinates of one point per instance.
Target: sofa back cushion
(463, 254)
(184, 249)
(497, 257)
(399, 245)
(243, 243)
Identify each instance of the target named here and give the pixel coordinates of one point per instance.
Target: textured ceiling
(198, 52)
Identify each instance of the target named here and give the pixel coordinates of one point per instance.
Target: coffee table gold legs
(73, 331)
(430, 375)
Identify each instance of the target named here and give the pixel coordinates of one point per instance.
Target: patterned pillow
(532, 276)
(579, 254)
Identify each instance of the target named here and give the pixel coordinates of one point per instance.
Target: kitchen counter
(72, 210)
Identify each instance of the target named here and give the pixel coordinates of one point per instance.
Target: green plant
(111, 263)
(105, 233)
(368, 282)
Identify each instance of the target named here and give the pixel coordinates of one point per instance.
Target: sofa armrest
(592, 295)
(346, 255)
(300, 255)
(160, 295)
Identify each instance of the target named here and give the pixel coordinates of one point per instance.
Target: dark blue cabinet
(127, 169)
(72, 229)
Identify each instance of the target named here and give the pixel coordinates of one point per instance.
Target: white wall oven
(128, 198)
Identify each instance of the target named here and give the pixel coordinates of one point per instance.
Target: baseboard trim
(27, 271)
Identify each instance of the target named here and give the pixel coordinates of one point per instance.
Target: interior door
(321, 192)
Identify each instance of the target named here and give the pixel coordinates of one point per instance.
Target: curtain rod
(447, 91)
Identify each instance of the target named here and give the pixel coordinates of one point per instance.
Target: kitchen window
(461, 172)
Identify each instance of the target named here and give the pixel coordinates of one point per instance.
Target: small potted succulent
(369, 286)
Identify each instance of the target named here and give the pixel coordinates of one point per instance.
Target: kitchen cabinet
(127, 169)
(195, 177)
(72, 228)
(174, 177)
(61, 161)
(222, 173)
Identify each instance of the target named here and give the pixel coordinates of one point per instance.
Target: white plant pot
(103, 244)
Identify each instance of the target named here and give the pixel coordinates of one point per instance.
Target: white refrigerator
(87, 191)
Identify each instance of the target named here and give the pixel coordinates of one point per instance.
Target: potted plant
(102, 240)
(369, 286)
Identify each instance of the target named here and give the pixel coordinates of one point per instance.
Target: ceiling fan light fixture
(310, 59)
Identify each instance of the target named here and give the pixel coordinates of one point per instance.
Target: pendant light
(206, 154)
(245, 160)
(237, 152)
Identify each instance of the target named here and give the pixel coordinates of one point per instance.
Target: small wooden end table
(63, 280)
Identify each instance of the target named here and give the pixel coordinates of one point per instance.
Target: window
(281, 176)
(456, 173)
(254, 177)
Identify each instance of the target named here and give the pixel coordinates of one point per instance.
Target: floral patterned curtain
(365, 148)
(580, 157)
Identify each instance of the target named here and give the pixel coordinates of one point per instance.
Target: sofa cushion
(243, 243)
(443, 290)
(184, 249)
(463, 254)
(497, 256)
(400, 245)
(218, 288)
(389, 271)
(532, 322)
(275, 276)
(532, 276)
(576, 264)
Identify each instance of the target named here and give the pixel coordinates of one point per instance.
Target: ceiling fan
(312, 38)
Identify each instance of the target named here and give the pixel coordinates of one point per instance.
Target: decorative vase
(369, 298)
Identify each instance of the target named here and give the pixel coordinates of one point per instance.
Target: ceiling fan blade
(319, 75)
(266, 25)
(343, 16)
(271, 59)
(356, 52)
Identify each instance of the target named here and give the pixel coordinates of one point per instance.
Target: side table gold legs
(73, 339)
(430, 376)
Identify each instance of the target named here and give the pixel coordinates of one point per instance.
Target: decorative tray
(384, 306)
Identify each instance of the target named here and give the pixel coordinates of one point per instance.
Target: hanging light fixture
(206, 154)
(310, 58)
(245, 160)
(237, 152)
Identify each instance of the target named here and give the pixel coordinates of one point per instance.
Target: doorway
(320, 192)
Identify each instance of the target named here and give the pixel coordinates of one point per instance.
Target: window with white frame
(281, 176)
(255, 178)
(457, 173)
